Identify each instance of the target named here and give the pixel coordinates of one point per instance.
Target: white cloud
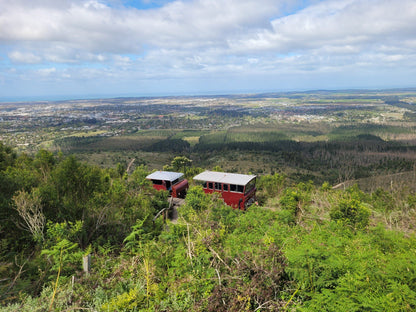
(24, 57)
(44, 72)
(95, 27)
(183, 39)
(353, 23)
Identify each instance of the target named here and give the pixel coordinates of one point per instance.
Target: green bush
(351, 211)
(290, 202)
(271, 185)
(132, 300)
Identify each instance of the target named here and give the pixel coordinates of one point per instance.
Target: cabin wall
(229, 195)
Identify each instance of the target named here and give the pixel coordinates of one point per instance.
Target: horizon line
(63, 98)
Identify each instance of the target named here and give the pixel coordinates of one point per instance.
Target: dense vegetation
(304, 247)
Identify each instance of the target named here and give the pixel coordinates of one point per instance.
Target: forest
(302, 247)
(332, 228)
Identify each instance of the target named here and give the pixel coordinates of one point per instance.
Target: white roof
(164, 175)
(223, 177)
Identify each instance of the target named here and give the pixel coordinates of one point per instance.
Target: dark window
(168, 185)
(237, 188)
(250, 185)
(205, 184)
(210, 186)
(157, 182)
(218, 186)
(177, 180)
(225, 187)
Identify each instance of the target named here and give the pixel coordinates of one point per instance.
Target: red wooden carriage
(174, 182)
(237, 190)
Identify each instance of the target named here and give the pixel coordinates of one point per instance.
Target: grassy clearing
(163, 133)
(181, 134)
(88, 133)
(192, 140)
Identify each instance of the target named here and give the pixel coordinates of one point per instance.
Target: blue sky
(75, 49)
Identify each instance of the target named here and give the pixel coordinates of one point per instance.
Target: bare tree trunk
(29, 207)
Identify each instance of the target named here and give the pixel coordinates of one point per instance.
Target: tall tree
(179, 163)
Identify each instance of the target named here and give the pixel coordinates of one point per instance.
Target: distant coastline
(260, 93)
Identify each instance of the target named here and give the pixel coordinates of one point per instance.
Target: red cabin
(237, 190)
(174, 182)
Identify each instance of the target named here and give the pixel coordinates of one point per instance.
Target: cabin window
(218, 186)
(250, 185)
(157, 182)
(210, 185)
(237, 188)
(177, 180)
(225, 187)
(204, 185)
(168, 185)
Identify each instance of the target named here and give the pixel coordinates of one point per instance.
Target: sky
(83, 48)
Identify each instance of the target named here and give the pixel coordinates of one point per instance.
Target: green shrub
(132, 300)
(289, 202)
(382, 200)
(326, 186)
(196, 202)
(351, 211)
(271, 185)
(61, 302)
